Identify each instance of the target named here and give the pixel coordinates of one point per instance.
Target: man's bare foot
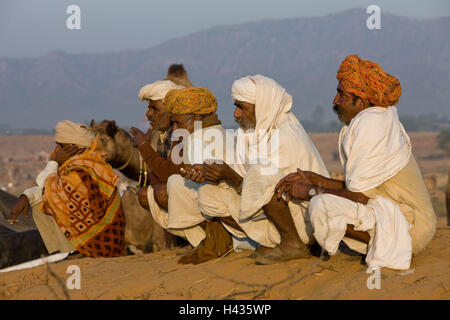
(217, 243)
(198, 255)
(260, 250)
(283, 253)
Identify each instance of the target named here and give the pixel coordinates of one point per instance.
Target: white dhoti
(183, 207)
(223, 201)
(390, 241)
(246, 209)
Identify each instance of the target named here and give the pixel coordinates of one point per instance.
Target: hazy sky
(35, 27)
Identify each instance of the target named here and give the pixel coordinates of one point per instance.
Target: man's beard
(244, 124)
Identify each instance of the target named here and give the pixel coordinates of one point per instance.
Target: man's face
(157, 115)
(184, 121)
(244, 115)
(346, 106)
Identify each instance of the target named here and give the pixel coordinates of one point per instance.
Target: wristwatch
(312, 192)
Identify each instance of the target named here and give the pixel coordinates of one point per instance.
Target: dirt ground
(235, 276)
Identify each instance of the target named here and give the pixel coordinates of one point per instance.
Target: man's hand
(62, 154)
(22, 205)
(194, 173)
(300, 190)
(286, 184)
(139, 137)
(215, 172)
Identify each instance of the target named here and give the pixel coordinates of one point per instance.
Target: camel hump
(178, 74)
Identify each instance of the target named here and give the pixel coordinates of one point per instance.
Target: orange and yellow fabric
(368, 80)
(85, 203)
(195, 100)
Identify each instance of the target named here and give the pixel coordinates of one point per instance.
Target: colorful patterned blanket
(86, 205)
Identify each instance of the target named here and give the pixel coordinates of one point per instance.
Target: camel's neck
(135, 164)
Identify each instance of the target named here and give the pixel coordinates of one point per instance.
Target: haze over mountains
(302, 54)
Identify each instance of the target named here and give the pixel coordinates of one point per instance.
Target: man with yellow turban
(76, 204)
(382, 208)
(194, 119)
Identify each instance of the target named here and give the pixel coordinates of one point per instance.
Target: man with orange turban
(382, 208)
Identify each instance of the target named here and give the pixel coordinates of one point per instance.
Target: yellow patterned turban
(193, 100)
(368, 80)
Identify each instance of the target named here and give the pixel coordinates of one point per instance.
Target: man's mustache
(336, 108)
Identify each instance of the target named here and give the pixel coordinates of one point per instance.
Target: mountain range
(302, 54)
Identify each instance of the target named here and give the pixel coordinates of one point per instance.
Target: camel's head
(178, 74)
(114, 141)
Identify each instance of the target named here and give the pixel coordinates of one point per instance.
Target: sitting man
(156, 144)
(383, 207)
(179, 212)
(76, 204)
(244, 191)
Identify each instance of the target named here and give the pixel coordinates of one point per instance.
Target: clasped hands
(297, 185)
(208, 171)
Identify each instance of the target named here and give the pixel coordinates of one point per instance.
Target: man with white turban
(155, 146)
(382, 208)
(194, 118)
(244, 189)
(76, 205)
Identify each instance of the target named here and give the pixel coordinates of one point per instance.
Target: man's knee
(143, 199)
(207, 194)
(160, 195)
(174, 183)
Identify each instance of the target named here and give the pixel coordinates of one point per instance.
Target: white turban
(74, 133)
(244, 90)
(157, 90)
(270, 99)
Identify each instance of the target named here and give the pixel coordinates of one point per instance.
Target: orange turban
(193, 100)
(368, 80)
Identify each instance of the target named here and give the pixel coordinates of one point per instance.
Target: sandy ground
(235, 276)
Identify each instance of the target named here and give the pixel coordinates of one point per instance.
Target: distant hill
(302, 54)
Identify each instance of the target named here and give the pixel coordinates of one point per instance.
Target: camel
(142, 234)
(21, 241)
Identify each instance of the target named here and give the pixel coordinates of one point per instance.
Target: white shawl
(373, 148)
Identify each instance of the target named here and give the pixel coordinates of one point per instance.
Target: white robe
(292, 149)
(184, 215)
(373, 149)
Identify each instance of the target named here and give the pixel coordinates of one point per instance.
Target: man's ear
(111, 129)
